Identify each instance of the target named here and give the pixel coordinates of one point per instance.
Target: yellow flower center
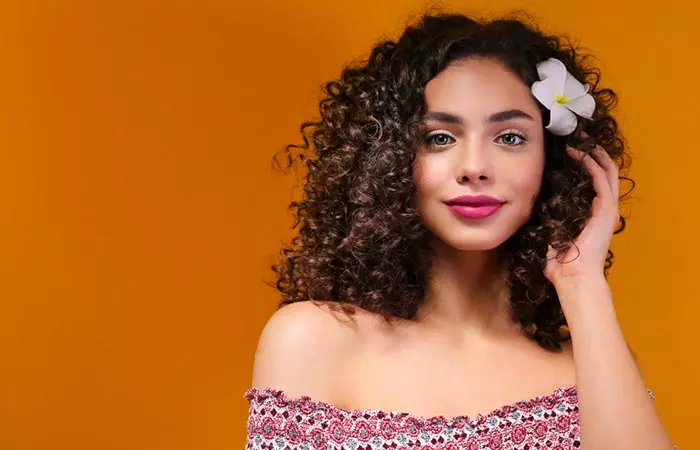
(560, 99)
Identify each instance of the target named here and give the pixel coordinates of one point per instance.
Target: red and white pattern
(278, 422)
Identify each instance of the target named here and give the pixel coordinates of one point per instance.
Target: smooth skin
(462, 355)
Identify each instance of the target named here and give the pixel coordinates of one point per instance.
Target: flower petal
(583, 105)
(555, 70)
(545, 92)
(561, 121)
(573, 88)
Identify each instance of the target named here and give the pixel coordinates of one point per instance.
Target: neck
(466, 295)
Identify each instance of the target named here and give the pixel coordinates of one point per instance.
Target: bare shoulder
(305, 348)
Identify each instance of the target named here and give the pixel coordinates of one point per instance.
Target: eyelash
(428, 137)
(522, 137)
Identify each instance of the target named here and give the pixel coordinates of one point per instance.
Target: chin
(475, 242)
(479, 236)
(477, 246)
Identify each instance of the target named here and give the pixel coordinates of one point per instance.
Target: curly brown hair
(361, 241)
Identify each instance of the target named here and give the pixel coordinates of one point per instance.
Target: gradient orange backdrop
(139, 211)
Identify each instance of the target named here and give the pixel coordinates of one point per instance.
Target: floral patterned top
(276, 421)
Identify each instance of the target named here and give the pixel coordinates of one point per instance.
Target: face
(483, 136)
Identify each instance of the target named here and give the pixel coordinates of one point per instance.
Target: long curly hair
(360, 239)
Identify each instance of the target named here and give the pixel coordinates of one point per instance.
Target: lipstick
(474, 207)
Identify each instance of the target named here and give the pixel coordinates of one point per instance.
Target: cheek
(428, 177)
(528, 180)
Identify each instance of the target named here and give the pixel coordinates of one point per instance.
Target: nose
(473, 163)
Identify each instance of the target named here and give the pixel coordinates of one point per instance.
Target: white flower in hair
(563, 95)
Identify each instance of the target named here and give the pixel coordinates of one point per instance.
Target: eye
(438, 139)
(512, 139)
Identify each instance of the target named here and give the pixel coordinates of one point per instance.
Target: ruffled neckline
(564, 393)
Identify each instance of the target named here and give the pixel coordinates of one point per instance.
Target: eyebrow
(493, 118)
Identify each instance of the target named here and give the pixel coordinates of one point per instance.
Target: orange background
(139, 211)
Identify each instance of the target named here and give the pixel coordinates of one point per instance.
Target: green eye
(439, 140)
(512, 139)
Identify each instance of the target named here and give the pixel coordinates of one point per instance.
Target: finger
(586, 139)
(611, 170)
(600, 179)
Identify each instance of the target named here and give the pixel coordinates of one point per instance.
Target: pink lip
(474, 207)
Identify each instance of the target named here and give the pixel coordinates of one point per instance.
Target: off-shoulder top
(276, 421)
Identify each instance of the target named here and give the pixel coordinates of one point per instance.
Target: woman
(447, 288)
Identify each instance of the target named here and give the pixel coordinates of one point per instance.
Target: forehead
(478, 85)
